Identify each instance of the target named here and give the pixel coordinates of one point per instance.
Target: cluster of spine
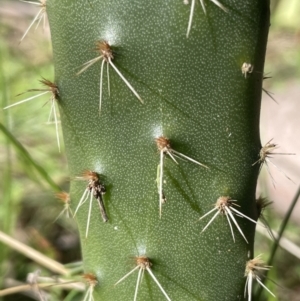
(95, 189)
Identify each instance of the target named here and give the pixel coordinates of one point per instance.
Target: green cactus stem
(197, 93)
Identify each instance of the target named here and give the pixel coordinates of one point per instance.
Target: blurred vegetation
(28, 206)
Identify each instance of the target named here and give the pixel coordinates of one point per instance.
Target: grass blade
(24, 153)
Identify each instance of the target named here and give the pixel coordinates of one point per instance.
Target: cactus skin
(194, 94)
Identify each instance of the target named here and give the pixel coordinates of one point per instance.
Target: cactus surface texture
(159, 129)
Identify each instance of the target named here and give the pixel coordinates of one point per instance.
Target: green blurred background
(28, 207)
